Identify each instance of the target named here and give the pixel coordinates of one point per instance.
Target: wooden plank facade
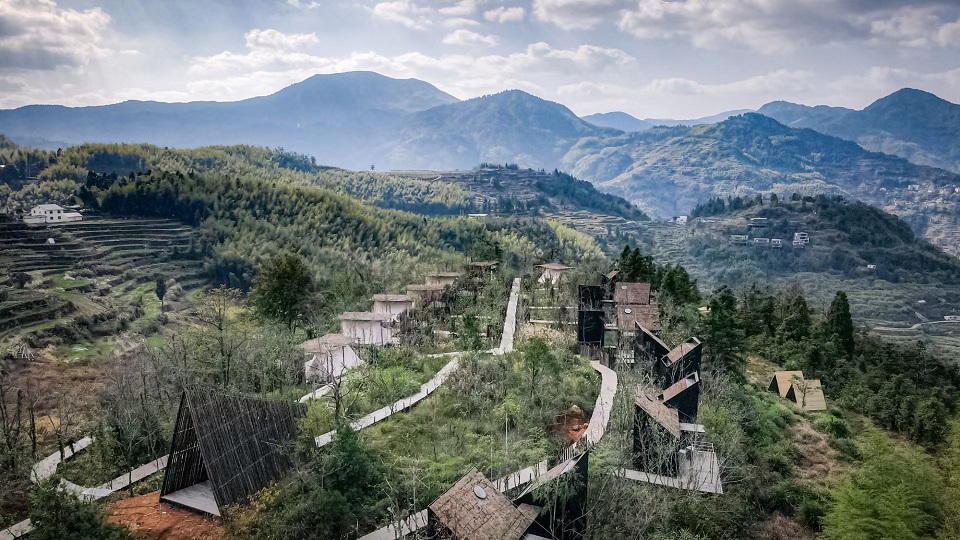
(233, 442)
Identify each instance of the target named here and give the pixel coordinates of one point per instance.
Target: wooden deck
(196, 497)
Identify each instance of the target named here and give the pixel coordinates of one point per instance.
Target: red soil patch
(571, 426)
(149, 519)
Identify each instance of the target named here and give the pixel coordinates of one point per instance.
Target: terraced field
(87, 269)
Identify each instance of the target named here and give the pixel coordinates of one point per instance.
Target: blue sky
(651, 58)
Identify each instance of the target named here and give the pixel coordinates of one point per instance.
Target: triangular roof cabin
(808, 395)
(782, 380)
(226, 448)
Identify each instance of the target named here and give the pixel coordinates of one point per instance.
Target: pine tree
(840, 323)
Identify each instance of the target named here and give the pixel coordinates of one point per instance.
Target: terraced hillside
(50, 276)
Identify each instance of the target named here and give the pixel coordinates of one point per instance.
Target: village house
(426, 295)
(394, 304)
(552, 272)
(442, 278)
(50, 213)
(329, 357)
(368, 328)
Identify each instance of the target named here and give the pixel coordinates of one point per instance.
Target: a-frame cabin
(226, 448)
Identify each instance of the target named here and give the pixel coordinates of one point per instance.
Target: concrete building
(50, 213)
(442, 278)
(394, 304)
(426, 295)
(329, 357)
(368, 328)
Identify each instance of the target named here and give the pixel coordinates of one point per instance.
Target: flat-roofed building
(394, 304)
(368, 328)
(442, 278)
(329, 357)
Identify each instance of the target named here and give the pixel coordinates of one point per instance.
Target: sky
(650, 58)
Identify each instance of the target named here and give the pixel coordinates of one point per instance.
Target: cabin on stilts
(225, 448)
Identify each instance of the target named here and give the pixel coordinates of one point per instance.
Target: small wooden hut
(226, 448)
(473, 509)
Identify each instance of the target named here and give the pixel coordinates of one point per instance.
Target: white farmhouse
(368, 328)
(329, 357)
(552, 272)
(394, 304)
(50, 213)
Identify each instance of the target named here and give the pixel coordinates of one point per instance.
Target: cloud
(404, 12)
(38, 35)
(504, 14)
(460, 9)
(578, 14)
(467, 37)
(272, 39)
(459, 21)
(949, 34)
(313, 4)
(267, 50)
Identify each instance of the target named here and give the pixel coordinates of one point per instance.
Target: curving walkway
(46, 467)
(382, 414)
(530, 475)
(506, 346)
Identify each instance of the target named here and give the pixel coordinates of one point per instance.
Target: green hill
(905, 296)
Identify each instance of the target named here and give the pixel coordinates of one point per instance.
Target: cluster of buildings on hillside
(330, 356)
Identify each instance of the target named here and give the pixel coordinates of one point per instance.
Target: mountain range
(895, 153)
(626, 122)
(913, 124)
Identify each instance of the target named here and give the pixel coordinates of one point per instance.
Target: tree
(213, 316)
(893, 495)
(56, 513)
(537, 358)
(282, 289)
(839, 324)
(161, 289)
(722, 332)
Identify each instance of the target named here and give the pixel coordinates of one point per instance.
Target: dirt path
(149, 519)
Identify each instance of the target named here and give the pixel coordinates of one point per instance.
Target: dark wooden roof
(631, 293)
(233, 441)
(469, 517)
(663, 415)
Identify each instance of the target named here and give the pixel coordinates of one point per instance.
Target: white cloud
(267, 49)
(38, 35)
(313, 4)
(578, 14)
(272, 39)
(459, 21)
(949, 34)
(460, 9)
(468, 37)
(404, 12)
(504, 14)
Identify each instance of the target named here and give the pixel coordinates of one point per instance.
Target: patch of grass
(90, 350)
